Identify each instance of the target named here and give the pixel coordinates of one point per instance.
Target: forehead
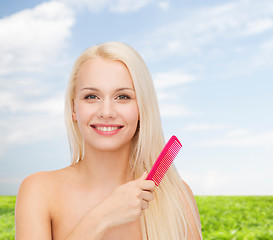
(99, 72)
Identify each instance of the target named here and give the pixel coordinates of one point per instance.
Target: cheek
(132, 114)
(81, 112)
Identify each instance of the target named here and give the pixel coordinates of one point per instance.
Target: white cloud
(40, 127)
(27, 119)
(174, 110)
(119, 6)
(30, 96)
(258, 26)
(203, 127)
(267, 45)
(53, 105)
(166, 84)
(254, 140)
(162, 95)
(207, 182)
(31, 38)
(30, 128)
(28, 86)
(264, 58)
(238, 133)
(246, 181)
(92, 5)
(32, 42)
(209, 28)
(123, 6)
(164, 5)
(171, 78)
(174, 45)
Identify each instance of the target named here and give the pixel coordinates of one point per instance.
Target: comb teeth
(165, 160)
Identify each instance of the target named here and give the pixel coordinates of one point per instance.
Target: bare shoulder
(32, 211)
(43, 183)
(37, 185)
(40, 186)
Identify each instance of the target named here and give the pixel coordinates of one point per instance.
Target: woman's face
(105, 105)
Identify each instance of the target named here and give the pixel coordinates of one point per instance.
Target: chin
(112, 145)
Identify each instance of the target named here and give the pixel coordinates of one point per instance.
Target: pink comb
(164, 160)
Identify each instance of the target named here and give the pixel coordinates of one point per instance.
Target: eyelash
(119, 97)
(90, 97)
(124, 97)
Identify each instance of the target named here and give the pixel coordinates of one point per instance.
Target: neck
(106, 169)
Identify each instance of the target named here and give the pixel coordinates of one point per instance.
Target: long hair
(166, 218)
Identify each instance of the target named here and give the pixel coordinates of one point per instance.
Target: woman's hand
(127, 201)
(123, 205)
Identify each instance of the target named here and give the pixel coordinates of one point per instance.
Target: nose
(107, 109)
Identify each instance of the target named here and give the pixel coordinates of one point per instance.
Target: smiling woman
(115, 135)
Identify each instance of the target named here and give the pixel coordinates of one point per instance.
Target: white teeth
(107, 129)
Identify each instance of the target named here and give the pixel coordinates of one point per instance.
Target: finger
(147, 196)
(147, 185)
(144, 205)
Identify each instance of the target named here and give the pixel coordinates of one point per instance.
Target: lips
(106, 128)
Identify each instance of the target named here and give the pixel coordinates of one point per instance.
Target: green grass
(7, 227)
(236, 218)
(222, 217)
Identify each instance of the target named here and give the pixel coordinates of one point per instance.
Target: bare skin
(58, 205)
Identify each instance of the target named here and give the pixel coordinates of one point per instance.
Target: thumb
(144, 176)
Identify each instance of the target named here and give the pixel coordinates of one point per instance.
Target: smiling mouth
(107, 128)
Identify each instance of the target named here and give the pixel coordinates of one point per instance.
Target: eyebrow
(89, 88)
(97, 90)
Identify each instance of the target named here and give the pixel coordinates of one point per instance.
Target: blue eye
(123, 97)
(91, 97)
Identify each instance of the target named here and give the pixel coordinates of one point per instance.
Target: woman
(115, 135)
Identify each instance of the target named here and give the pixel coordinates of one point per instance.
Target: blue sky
(212, 65)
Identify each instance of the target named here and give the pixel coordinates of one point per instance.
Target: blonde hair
(166, 217)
